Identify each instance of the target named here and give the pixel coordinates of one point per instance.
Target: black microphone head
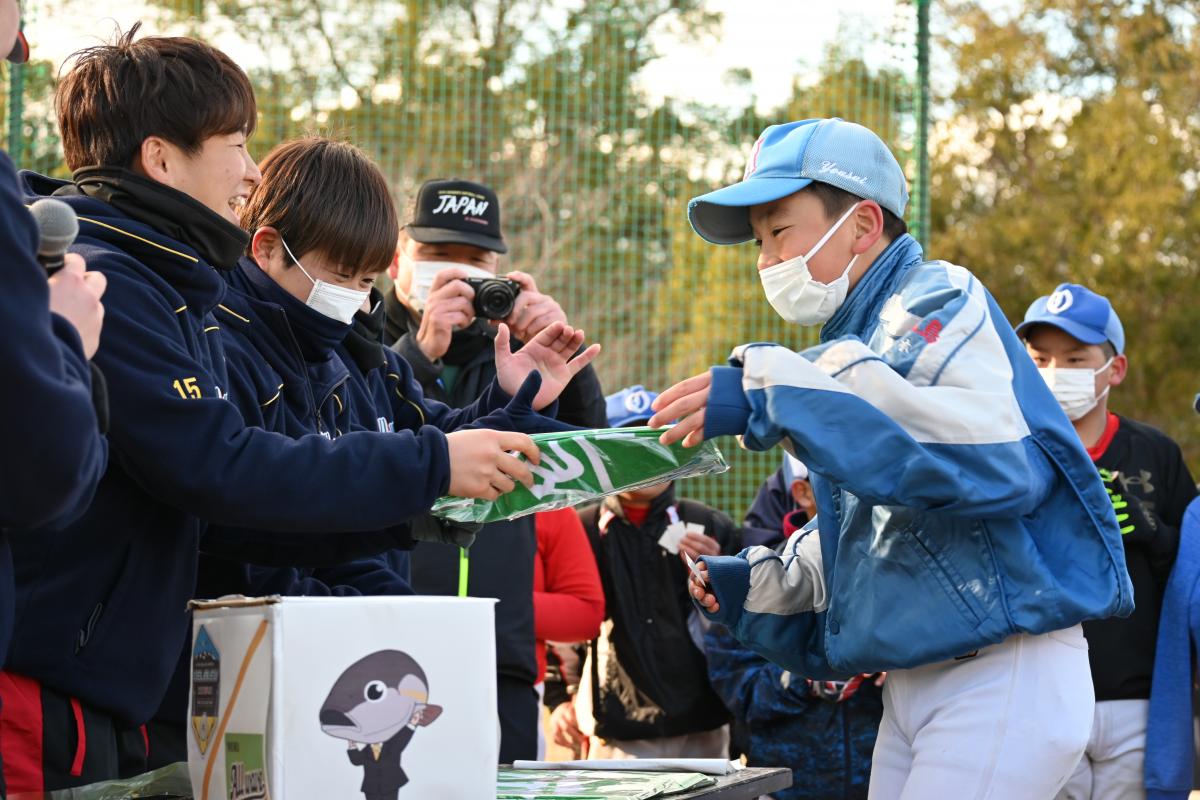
(57, 224)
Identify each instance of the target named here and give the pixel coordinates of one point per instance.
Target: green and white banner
(579, 466)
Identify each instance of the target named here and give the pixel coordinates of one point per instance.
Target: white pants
(1009, 723)
(1111, 767)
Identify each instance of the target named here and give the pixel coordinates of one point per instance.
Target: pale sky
(776, 39)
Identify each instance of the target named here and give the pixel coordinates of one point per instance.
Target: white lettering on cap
(832, 166)
(460, 204)
(1060, 301)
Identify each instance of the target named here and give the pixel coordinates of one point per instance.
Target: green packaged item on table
(579, 466)
(582, 784)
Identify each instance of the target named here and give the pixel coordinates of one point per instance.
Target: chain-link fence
(596, 121)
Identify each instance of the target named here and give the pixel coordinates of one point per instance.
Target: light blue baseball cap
(786, 158)
(1079, 311)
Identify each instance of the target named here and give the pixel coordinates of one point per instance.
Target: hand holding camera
(450, 307)
(532, 311)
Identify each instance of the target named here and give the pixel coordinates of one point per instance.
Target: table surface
(745, 784)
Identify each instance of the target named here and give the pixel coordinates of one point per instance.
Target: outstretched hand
(550, 353)
(685, 401)
(701, 590)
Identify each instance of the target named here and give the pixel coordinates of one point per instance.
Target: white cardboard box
(289, 694)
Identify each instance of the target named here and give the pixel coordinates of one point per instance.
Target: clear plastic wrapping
(579, 466)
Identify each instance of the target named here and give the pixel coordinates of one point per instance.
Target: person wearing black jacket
(155, 130)
(453, 233)
(1078, 343)
(645, 690)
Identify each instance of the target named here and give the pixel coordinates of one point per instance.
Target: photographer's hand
(533, 311)
(75, 295)
(450, 306)
(549, 353)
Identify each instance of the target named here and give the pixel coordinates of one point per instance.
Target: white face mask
(796, 296)
(423, 273)
(1074, 388)
(336, 302)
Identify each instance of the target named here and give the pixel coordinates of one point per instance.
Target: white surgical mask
(796, 296)
(423, 273)
(336, 302)
(1074, 388)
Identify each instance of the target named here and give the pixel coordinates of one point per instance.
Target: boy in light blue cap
(1077, 341)
(962, 532)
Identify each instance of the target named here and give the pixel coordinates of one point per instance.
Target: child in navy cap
(963, 534)
(1078, 344)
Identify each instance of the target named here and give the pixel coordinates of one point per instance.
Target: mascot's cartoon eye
(374, 691)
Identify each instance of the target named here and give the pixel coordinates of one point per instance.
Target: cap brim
(445, 236)
(723, 216)
(20, 49)
(1080, 332)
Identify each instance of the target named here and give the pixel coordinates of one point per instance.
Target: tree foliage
(1068, 152)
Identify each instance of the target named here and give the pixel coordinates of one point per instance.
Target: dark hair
(326, 196)
(116, 95)
(835, 201)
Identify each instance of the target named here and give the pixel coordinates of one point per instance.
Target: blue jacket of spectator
(54, 454)
(1170, 737)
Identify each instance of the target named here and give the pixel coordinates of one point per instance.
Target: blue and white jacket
(955, 504)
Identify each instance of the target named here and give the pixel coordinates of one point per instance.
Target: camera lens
(494, 299)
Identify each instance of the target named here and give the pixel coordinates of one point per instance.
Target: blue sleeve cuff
(728, 411)
(1159, 794)
(729, 577)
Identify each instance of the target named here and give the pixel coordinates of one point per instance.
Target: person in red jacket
(568, 601)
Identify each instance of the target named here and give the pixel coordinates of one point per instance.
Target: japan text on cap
(787, 158)
(457, 212)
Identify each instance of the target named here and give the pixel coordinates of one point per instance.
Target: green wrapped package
(579, 466)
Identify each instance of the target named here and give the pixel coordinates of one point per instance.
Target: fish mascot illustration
(376, 705)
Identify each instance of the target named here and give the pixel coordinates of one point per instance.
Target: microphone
(58, 227)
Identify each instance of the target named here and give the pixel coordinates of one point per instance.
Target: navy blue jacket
(53, 453)
(275, 342)
(763, 525)
(101, 603)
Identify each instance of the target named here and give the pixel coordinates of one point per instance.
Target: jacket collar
(862, 307)
(178, 263)
(293, 339)
(169, 211)
(364, 342)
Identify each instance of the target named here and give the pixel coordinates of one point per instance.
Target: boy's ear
(1120, 368)
(152, 159)
(264, 245)
(868, 224)
(394, 268)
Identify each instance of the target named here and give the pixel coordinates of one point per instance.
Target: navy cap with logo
(457, 212)
(1080, 312)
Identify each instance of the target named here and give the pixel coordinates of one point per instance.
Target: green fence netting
(596, 121)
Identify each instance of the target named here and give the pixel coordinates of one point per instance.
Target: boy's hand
(481, 466)
(685, 401)
(533, 311)
(450, 306)
(550, 353)
(700, 590)
(564, 727)
(75, 295)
